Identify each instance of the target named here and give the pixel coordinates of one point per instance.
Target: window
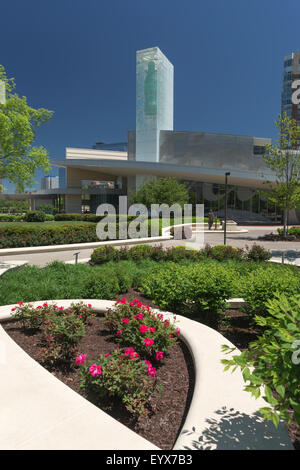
(258, 149)
(288, 63)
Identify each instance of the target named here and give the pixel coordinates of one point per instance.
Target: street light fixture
(225, 211)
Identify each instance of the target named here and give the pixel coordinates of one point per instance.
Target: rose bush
(121, 374)
(136, 325)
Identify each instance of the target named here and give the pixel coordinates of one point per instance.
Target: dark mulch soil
(167, 412)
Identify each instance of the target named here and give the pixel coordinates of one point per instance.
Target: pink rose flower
(138, 303)
(140, 316)
(80, 359)
(143, 328)
(131, 353)
(45, 305)
(118, 334)
(152, 329)
(178, 331)
(95, 370)
(148, 341)
(79, 316)
(159, 355)
(125, 320)
(148, 363)
(107, 354)
(128, 351)
(13, 309)
(151, 371)
(90, 305)
(21, 303)
(122, 301)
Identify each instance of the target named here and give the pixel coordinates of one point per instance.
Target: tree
(284, 161)
(161, 191)
(18, 125)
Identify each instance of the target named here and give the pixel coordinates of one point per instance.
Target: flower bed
(105, 369)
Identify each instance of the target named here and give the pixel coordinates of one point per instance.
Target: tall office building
(291, 72)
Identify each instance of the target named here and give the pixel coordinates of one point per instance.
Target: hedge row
(13, 237)
(87, 217)
(30, 216)
(107, 253)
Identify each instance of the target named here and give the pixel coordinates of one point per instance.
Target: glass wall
(239, 198)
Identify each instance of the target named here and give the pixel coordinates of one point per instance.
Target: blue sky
(77, 58)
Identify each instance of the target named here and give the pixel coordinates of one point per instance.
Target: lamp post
(225, 210)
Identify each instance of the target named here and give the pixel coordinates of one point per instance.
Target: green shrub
(222, 252)
(62, 333)
(49, 217)
(35, 216)
(101, 286)
(103, 254)
(178, 253)
(273, 359)
(11, 218)
(291, 231)
(257, 253)
(199, 288)
(139, 252)
(118, 376)
(158, 253)
(262, 283)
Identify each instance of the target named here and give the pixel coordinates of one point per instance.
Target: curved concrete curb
(221, 415)
(203, 228)
(83, 246)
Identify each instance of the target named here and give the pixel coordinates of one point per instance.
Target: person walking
(211, 218)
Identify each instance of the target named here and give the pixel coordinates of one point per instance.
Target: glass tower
(291, 72)
(154, 101)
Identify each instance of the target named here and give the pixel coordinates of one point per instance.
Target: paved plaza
(238, 240)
